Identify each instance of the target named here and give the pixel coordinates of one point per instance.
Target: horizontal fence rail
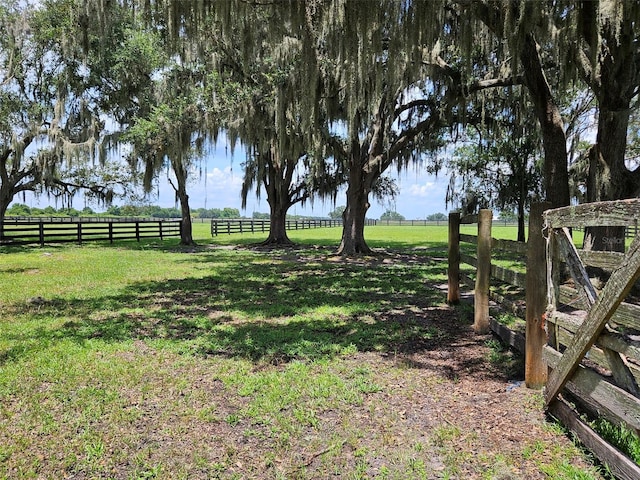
(65, 219)
(247, 225)
(99, 219)
(411, 223)
(24, 232)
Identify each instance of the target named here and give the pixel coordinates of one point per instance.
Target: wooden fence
(410, 223)
(86, 219)
(97, 219)
(23, 232)
(249, 225)
(579, 342)
(486, 247)
(594, 347)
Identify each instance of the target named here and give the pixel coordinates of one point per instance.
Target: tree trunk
(556, 175)
(615, 88)
(4, 205)
(278, 225)
(601, 238)
(609, 178)
(277, 182)
(521, 230)
(186, 232)
(354, 215)
(7, 192)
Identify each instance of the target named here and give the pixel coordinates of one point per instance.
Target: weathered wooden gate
(594, 330)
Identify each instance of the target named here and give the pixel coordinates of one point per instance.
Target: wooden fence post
(535, 371)
(483, 274)
(453, 290)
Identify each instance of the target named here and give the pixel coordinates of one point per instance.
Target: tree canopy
(59, 97)
(322, 93)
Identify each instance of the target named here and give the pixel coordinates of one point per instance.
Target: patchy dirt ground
(409, 393)
(433, 411)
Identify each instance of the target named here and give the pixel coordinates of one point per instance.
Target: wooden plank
(467, 219)
(614, 213)
(508, 336)
(535, 371)
(628, 346)
(468, 259)
(483, 275)
(511, 276)
(620, 344)
(613, 402)
(616, 288)
(512, 246)
(616, 363)
(608, 261)
(453, 271)
(553, 279)
(621, 371)
(469, 238)
(621, 466)
(576, 268)
(570, 321)
(627, 314)
(467, 280)
(516, 308)
(627, 378)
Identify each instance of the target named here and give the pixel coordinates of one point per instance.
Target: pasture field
(147, 360)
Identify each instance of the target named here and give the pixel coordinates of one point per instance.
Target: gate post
(535, 371)
(483, 274)
(453, 290)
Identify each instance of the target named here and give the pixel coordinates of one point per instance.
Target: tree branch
(336, 145)
(410, 134)
(479, 85)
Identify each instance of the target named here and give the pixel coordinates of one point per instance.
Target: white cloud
(223, 179)
(424, 190)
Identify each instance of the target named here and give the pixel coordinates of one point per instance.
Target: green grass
(377, 236)
(147, 360)
(619, 436)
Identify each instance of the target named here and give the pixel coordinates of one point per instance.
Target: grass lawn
(146, 360)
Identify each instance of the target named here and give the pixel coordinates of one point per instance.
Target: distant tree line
(22, 210)
(392, 215)
(153, 211)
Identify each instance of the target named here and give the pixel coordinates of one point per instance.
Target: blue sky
(421, 194)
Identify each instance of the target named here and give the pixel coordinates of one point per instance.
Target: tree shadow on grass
(271, 310)
(171, 245)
